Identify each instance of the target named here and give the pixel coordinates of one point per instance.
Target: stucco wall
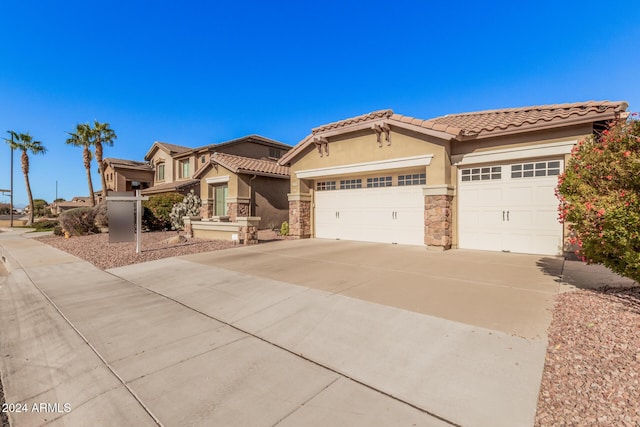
(362, 147)
(248, 149)
(158, 157)
(270, 200)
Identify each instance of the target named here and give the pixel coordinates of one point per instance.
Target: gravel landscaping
(592, 370)
(98, 251)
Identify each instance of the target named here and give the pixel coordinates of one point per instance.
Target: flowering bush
(190, 206)
(600, 198)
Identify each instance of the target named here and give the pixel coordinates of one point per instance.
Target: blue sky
(199, 72)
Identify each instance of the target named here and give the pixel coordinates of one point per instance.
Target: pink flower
(626, 153)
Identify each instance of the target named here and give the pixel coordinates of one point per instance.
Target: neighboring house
(77, 202)
(481, 180)
(127, 175)
(170, 175)
(236, 186)
(236, 178)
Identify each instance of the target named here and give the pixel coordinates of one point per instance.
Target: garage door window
(325, 185)
(415, 179)
(535, 169)
(379, 181)
(348, 184)
(481, 174)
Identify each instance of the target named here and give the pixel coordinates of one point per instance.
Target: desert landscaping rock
(592, 369)
(98, 251)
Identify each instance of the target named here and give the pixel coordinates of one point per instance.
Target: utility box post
(120, 207)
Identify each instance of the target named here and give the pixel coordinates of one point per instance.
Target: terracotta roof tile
(170, 186)
(380, 114)
(512, 119)
(246, 164)
(131, 164)
(173, 148)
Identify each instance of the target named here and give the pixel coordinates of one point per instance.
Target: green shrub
(284, 229)
(46, 225)
(79, 221)
(157, 211)
(57, 231)
(599, 196)
(101, 215)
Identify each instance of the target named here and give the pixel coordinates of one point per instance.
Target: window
(481, 174)
(220, 194)
(275, 153)
(379, 181)
(415, 179)
(325, 185)
(184, 169)
(160, 172)
(349, 184)
(202, 159)
(535, 169)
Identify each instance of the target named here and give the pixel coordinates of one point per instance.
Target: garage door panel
(388, 215)
(530, 222)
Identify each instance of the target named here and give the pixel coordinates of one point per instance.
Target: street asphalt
(292, 333)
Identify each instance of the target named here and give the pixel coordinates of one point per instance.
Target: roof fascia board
(514, 153)
(403, 162)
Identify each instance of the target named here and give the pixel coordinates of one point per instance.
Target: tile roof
(239, 164)
(511, 120)
(131, 164)
(475, 125)
(170, 186)
(173, 148)
(248, 138)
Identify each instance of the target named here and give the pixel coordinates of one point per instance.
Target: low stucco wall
(245, 230)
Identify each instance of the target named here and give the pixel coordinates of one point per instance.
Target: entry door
(510, 207)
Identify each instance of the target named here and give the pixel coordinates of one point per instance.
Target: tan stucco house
(127, 175)
(482, 180)
(237, 178)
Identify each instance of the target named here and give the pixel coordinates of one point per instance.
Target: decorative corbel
(378, 130)
(387, 133)
(319, 141)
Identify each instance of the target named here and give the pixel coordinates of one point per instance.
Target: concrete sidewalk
(178, 341)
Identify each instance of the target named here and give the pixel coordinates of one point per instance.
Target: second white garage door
(510, 207)
(386, 215)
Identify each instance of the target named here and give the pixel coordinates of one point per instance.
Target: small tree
(600, 198)
(190, 206)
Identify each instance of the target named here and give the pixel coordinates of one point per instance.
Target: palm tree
(25, 143)
(82, 138)
(102, 134)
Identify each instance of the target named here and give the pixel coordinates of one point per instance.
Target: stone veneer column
(206, 210)
(438, 224)
(237, 207)
(300, 215)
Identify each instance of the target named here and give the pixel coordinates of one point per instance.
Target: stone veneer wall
(206, 210)
(437, 221)
(236, 210)
(300, 218)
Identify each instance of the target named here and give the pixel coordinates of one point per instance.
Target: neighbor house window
(379, 181)
(481, 174)
(325, 185)
(160, 172)
(535, 169)
(414, 179)
(202, 160)
(275, 153)
(184, 169)
(348, 184)
(220, 194)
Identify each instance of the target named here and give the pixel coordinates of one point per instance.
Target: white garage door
(387, 215)
(510, 207)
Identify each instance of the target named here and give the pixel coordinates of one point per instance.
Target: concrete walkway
(184, 342)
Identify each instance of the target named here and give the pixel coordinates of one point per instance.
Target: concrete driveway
(288, 333)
